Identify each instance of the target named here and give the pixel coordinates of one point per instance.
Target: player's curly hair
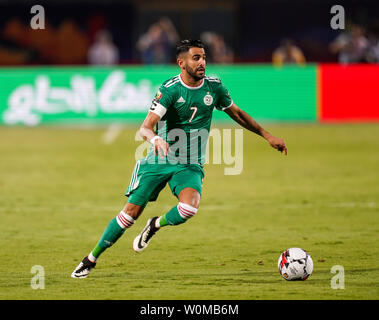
(187, 44)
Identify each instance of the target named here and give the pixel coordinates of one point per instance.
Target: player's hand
(161, 147)
(277, 144)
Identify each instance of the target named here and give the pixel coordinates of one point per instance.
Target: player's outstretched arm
(246, 121)
(147, 132)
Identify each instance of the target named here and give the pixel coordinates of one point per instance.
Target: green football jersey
(186, 115)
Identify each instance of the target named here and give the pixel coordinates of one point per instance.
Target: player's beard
(193, 73)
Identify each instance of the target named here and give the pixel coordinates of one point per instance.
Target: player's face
(194, 63)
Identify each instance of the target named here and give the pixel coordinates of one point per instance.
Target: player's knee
(190, 196)
(133, 210)
(186, 211)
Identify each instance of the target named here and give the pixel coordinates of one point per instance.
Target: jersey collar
(188, 87)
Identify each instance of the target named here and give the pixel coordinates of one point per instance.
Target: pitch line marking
(112, 133)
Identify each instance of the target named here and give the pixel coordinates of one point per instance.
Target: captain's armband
(158, 109)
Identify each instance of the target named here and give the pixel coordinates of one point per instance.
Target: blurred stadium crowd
(233, 31)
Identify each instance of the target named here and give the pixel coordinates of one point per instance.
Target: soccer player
(181, 109)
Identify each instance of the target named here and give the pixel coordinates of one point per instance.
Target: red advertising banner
(348, 93)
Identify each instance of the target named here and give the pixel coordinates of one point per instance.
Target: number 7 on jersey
(193, 114)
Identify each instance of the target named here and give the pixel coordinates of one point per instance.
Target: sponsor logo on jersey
(181, 100)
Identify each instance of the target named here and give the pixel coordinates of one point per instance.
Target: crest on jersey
(208, 99)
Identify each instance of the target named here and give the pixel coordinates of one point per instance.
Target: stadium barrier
(69, 95)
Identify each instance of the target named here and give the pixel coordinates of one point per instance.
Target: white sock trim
(157, 223)
(91, 257)
(124, 220)
(186, 211)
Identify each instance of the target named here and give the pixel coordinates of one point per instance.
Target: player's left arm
(246, 121)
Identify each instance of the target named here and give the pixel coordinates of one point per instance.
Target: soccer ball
(295, 264)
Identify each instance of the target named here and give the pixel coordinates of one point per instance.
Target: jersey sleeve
(162, 101)
(224, 100)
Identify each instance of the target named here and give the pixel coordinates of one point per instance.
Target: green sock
(163, 221)
(112, 233)
(172, 218)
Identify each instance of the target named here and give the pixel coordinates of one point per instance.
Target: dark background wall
(252, 29)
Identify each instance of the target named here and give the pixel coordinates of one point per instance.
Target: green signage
(39, 95)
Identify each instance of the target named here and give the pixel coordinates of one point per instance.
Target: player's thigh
(146, 183)
(187, 177)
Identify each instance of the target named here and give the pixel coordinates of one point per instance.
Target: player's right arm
(157, 110)
(147, 133)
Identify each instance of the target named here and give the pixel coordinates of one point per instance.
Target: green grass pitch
(60, 187)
